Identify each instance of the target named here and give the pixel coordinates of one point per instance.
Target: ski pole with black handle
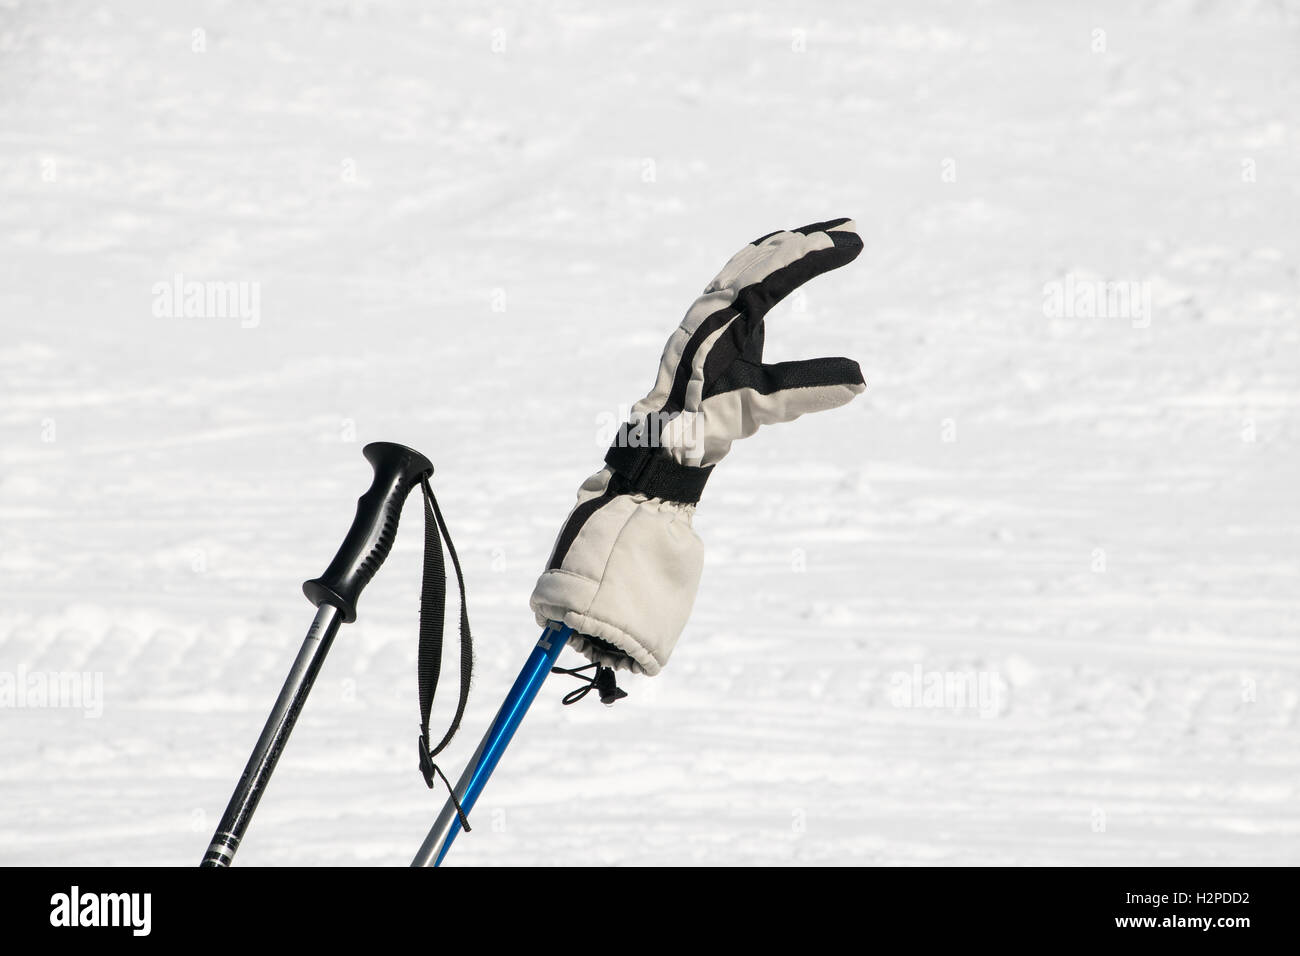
(621, 580)
(398, 469)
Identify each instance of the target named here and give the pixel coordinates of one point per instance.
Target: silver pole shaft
(433, 843)
(257, 772)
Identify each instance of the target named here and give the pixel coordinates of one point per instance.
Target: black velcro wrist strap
(653, 472)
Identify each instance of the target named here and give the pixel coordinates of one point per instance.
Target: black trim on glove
(653, 472)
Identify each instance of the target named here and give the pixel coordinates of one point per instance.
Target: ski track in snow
(481, 253)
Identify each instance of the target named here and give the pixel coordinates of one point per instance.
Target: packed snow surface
(1031, 599)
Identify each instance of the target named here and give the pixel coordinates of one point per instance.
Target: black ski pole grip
(398, 469)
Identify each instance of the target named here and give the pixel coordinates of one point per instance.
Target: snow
(470, 229)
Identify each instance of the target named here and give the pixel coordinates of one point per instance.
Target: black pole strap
(433, 606)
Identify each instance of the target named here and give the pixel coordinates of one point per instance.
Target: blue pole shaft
(489, 752)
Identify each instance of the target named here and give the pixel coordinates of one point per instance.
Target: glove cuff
(627, 583)
(600, 642)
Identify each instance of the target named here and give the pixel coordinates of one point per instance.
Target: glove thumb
(749, 395)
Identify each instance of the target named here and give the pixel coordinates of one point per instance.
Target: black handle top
(398, 469)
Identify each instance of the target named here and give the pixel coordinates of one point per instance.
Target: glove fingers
(779, 251)
(826, 246)
(727, 321)
(812, 250)
(841, 223)
(746, 257)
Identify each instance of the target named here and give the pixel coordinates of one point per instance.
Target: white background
(472, 229)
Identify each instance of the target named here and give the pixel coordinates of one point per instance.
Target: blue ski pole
(489, 752)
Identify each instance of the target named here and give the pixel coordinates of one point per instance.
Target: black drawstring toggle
(602, 681)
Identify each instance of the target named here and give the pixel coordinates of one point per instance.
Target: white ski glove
(626, 566)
